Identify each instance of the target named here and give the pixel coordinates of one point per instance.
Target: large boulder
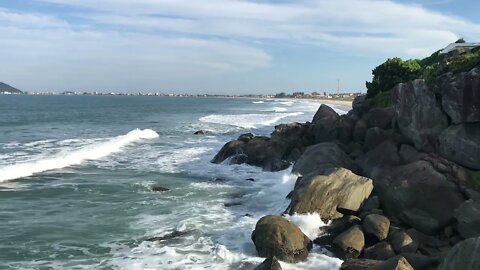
(461, 96)
(380, 117)
(402, 242)
(417, 185)
(418, 114)
(324, 112)
(463, 256)
(359, 130)
(421, 221)
(228, 150)
(360, 105)
(385, 154)
(276, 236)
(461, 143)
(380, 251)
(269, 264)
(266, 153)
(350, 242)
(395, 263)
(468, 219)
(323, 155)
(292, 134)
(328, 190)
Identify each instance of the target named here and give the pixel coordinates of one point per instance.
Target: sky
(219, 46)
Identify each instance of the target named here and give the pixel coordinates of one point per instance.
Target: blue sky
(219, 46)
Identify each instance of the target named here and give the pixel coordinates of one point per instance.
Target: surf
(65, 158)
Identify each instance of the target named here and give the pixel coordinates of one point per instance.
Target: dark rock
(291, 134)
(371, 203)
(409, 154)
(463, 256)
(230, 204)
(461, 96)
(364, 214)
(377, 226)
(160, 189)
(461, 143)
(360, 130)
(323, 155)
(200, 132)
(468, 219)
(380, 117)
(228, 150)
(385, 154)
(359, 105)
(237, 159)
(246, 137)
(351, 242)
(266, 153)
(428, 245)
(402, 242)
(168, 236)
(358, 264)
(421, 221)
(418, 114)
(373, 137)
(269, 264)
(380, 251)
(395, 263)
(327, 190)
(250, 179)
(417, 185)
(323, 112)
(276, 236)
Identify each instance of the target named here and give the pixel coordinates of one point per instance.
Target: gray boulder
(350, 242)
(461, 143)
(418, 114)
(323, 155)
(385, 154)
(428, 245)
(463, 256)
(402, 242)
(461, 96)
(468, 219)
(276, 236)
(377, 226)
(409, 154)
(380, 117)
(229, 149)
(417, 185)
(359, 105)
(358, 264)
(359, 130)
(421, 221)
(327, 190)
(323, 112)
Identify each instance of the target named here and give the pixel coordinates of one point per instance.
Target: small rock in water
(250, 179)
(160, 189)
(230, 204)
(168, 236)
(269, 264)
(200, 132)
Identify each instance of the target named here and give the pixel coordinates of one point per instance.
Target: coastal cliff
(398, 176)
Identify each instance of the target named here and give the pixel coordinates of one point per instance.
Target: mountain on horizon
(7, 88)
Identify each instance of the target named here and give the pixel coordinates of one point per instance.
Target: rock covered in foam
(276, 236)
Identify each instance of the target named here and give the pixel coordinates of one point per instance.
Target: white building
(454, 46)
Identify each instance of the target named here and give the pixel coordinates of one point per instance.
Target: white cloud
(161, 40)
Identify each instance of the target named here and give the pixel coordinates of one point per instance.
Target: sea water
(76, 178)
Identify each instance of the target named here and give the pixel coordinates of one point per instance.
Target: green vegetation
(395, 71)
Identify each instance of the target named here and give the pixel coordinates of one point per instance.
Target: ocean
(76, 178)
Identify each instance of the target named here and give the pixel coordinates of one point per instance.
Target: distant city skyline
(219, 46)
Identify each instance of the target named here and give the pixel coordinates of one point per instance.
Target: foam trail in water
(247, 120)
(75, 157)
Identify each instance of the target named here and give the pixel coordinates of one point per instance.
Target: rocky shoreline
(400, 184)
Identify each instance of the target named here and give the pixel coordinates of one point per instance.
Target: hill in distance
(7, 88)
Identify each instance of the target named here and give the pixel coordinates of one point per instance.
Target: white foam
(258, 102)
(276, 109)
(309, 223)
(74, 157)
(246, 120)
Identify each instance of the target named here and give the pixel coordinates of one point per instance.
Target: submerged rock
(328, 190)
(276, 236)
(160, 189)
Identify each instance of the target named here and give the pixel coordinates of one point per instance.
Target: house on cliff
(459, 46)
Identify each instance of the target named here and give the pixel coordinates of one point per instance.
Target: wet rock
(160, 189)
(328, 190)
(168, 236)
(463, 256)
(230, 204)
(351, 242)
(323, 155)
(200, 132)
(245, 137)
(269, 264)
(418, 114)
(380, 251)
(461, 144)
(376, 226)
(250, 179)
(229, 149)
(276, 236)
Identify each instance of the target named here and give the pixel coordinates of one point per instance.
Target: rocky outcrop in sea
(400, 184)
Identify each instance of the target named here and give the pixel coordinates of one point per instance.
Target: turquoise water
(76, 174)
